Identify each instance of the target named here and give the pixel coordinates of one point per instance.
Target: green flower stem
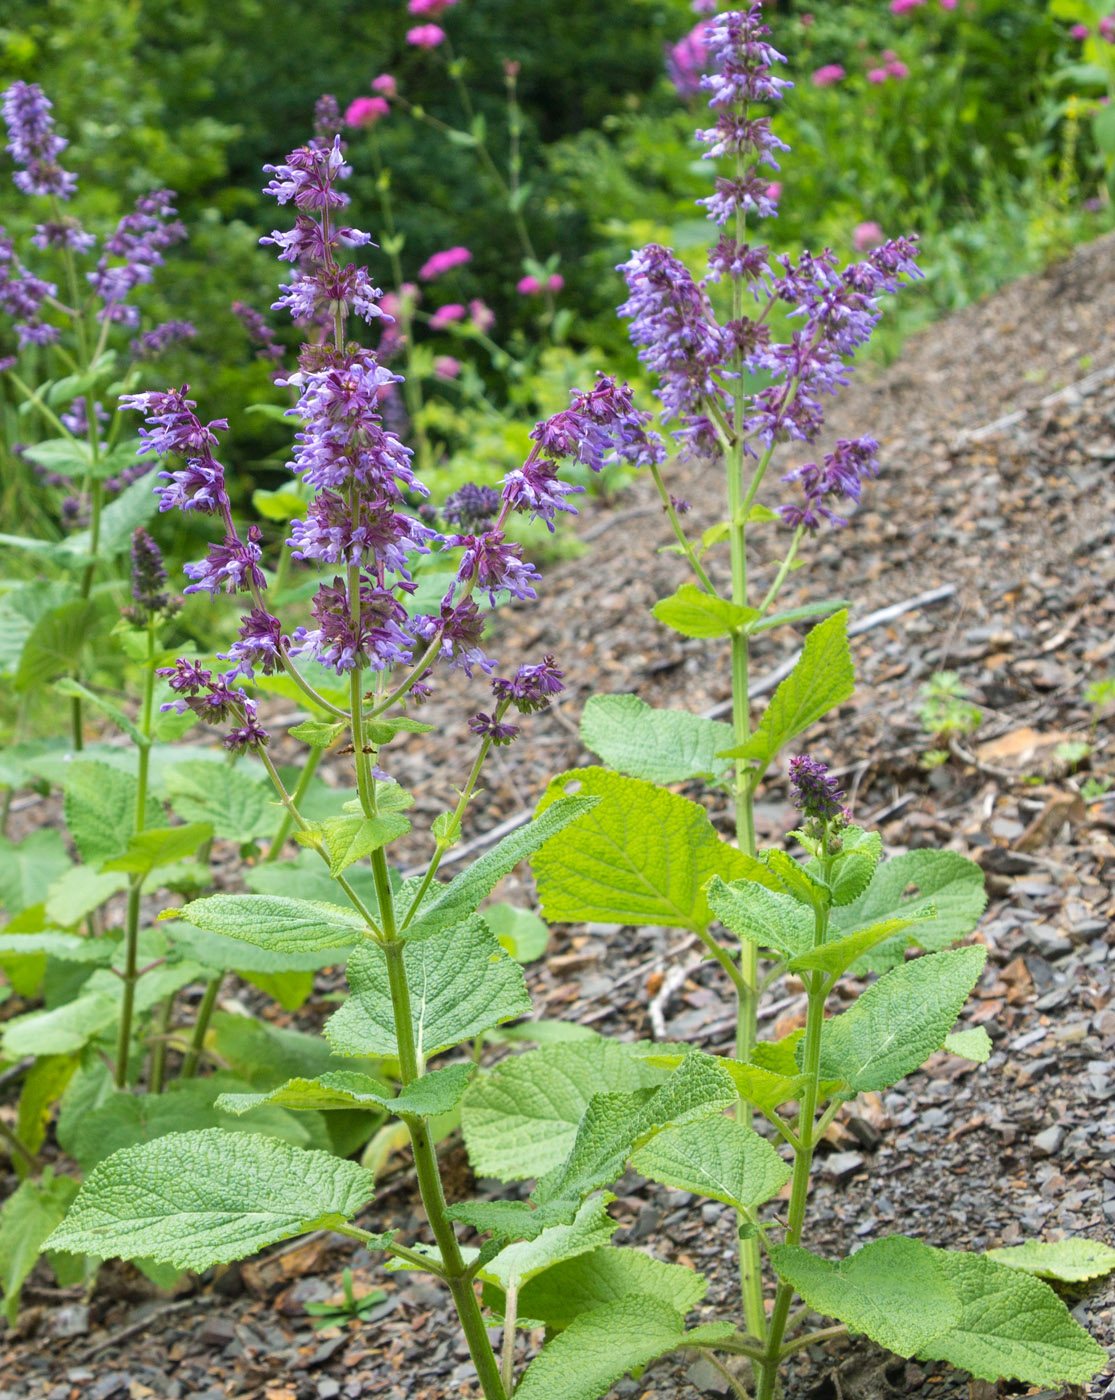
(734, 1385)
(201, 1026)
(400, 1251)
(157, 1074)
(817, 988)
(19, 1148)
(823, 1334)
(32, 397)
(279, 840)
(510, 1318)
(780, 578)
(682, 539)
(135, 884)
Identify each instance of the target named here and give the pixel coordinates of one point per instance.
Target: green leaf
(349, 839)
(971, 1044)
(435, 1092)
(66, 456)
(514, 1220)
(660, 746)
(68, 686)
(822, 679)
(695, 613)
(222, 953)
(1103, 128)
(135, 505)
(808, 610)
(591, 1228)
(893, 1290)
(198, 1199)
(755, 915)
(615, 1124)
(520, 931)
(274, 922)
(949, 901)
(26, 1220)
(900, 1020)
(317, 733)
(714, 1157)
(1068, 1261)
(461, 983)
(21, 607)
(55, 644)
(147, 850)
(290, 989)
(851, 875)
(236, 805)
(382, 731)
(43, 1086)
(99, 806)
(795, 879)
(28, 870)
(449, 904)
(68, 947)
(606, 1275)
(1011, 1326)
(837, 957)
(520, 1118)
(600, 1346)
(642, 856)
(78, 891)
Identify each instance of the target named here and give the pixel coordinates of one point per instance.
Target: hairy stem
(282, 832)
(157, 1073)
(18, 1147)
(510, 1318)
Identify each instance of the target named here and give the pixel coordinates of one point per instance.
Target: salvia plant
(429, 978)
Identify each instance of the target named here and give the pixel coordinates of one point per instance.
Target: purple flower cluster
(148, 576)
(33, 144)
(471, 505)
(139, 240)
(151, 344)
(813, 791)
(697, 358)
(22, 295)
(530, 689)
(215, 699)
(174, 428)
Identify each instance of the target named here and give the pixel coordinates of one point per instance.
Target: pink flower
(446, 367)
(1107, 28)
(530, 286)
(774, 190)
(366, 111)
(827, 75)
(899, 7)
(429, 8)
(426, 36)
(868, 235)
(876, 75)
(947, 4)
(481, 315)
(444, 315)
(807, 21)
(685, 61)
(386, 85)
(444, 261)
(897, 69)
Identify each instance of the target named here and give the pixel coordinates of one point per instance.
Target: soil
(998, 446)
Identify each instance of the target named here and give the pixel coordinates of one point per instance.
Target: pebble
(840, 1165)
(1048, 1143)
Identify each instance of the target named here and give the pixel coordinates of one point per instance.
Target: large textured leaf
(28, 870)
(450, 904)
(836, 957)
(1069, 1261)
(274, 922)
(900, 1020)
(588, 1230)
(135, 505)
(349, 839)
(461, 983)
(198, 1199)
(78, 892)
(607, 1275)
(614, 1125)
(642, 856)
(218, 951)
(756, 915)
(695, 613)
(99, 806)
(436, 1092)
(26, 1220)
(520, 1118)
(55, 643)
(660, 746)
(235, 804)
(715, 1157)
(822, 679)
(893, 1290)
(948, 903)
(600, 1346)
(1011, 1326)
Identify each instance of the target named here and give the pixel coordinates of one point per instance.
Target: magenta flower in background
(899, 7)
(429, 9)
(947, 4)
(366, 111)
(868, 235)
(897, 69)
(444, 315)
(481, 315)
(685, 61)
(530, 286)
(877, 75)
(445, 261)
(828, 75)
(1079, 31)
(385, 85)
(1107, 28)
(426, 36)
(447, 367)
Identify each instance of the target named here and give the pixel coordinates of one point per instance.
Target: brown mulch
(999, 479)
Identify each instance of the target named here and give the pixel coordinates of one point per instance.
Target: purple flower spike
(33, 144)
(379, 640)
(812, 791)
(488, 727)
(148, 574)
(231, 566)
(471, 505)
(261, 644)
(493, 565)
(531, 688)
